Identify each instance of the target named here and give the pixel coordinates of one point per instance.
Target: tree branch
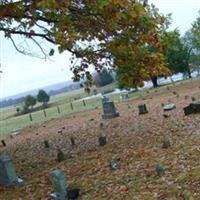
(28, 34)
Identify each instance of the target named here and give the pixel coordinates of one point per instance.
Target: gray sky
(22, 73)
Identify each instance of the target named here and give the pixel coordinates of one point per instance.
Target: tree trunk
(187, 63)
(154, 81)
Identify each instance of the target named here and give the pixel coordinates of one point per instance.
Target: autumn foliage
(98, 33)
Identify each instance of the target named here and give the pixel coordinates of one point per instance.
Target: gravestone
(102, 141)
(3, 143)
(8, 175)
(113, 164)
(109, 110)
(142, 109)
(46, 144)
(60, 130)
(124, 96)
(169, 107)
(72, 141)
(60, 156)
(193, 108)
(59, 185)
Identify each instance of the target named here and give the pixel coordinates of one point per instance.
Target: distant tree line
(30, 101)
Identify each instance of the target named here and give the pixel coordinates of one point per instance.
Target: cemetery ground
(135, 141)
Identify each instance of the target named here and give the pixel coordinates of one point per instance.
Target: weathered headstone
(169, 107)
(159, 169)
(46, 144)
(102, 141)
(72, 141)
(142, 109)
(109, 110)
(193, 108)
(113, 164)
(59, 185)
(60, 156)
(8, 175)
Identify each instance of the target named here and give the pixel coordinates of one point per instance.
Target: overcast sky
(22, 73)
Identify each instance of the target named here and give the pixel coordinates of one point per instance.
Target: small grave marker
(60, 156)
(102, 141)
(159, 169)
(114, 164)
(3, 143)
(60, 130)
(72, 141)
(169, 107)
(46, 144)
(142, 109)
(8, 175)
(166, 143)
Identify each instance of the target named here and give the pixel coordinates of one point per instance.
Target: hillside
(135, 140)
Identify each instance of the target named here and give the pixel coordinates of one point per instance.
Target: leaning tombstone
(169, 107)
(193, 108)
(142, 109)
(8, 175)
(59, 185)
(109, 110)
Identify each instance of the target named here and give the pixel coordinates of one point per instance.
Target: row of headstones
(60, 188)
(109, 110)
